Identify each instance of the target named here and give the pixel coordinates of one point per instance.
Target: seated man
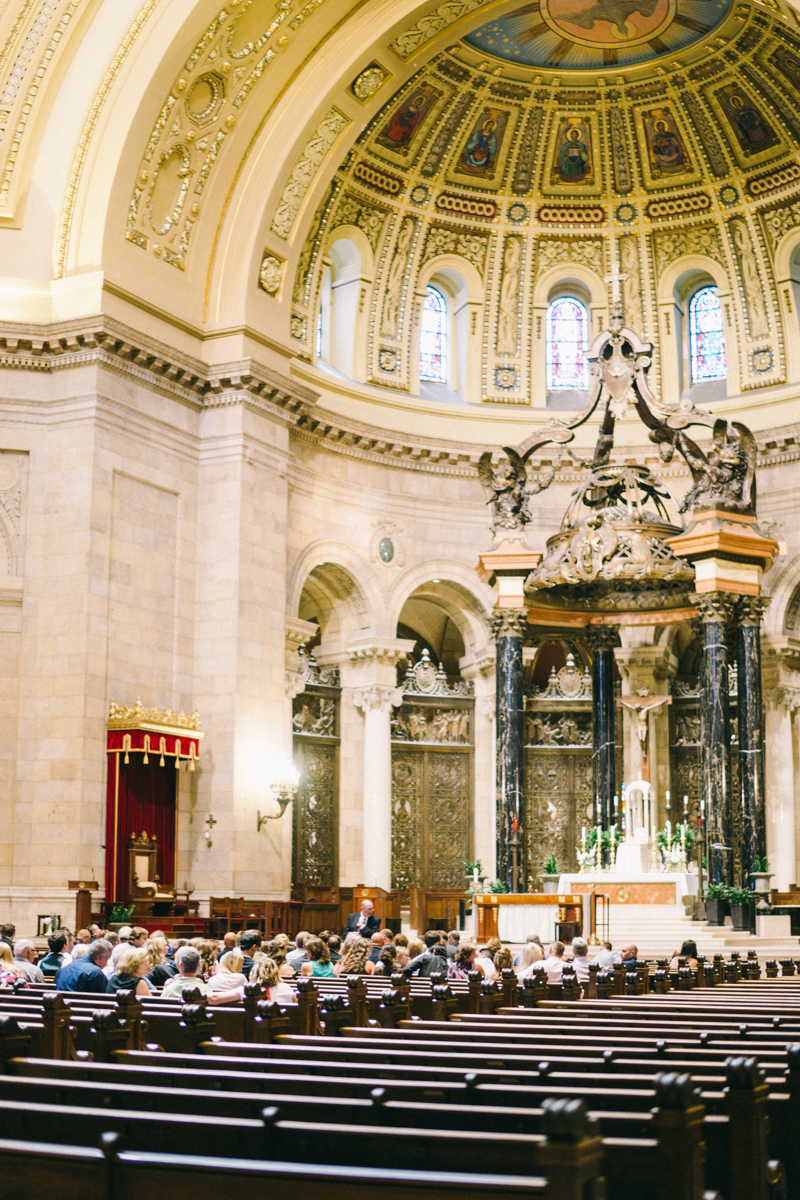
(86, 974)
(188, 966)
(428, 962)
(554, 962)
(605, 956)
(25, 961)
(378, 942)
(452, 944)
(629, 957)
(365, 922)
(295, 958)
(249, 942)
(580, 959)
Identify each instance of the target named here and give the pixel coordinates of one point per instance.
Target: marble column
(602, 639)
(376, 702)
(509, 626)
(749, 611)
(716, 609)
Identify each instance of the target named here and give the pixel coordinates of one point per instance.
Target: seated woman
(688, 951)
(229, 972)
(353, 960)
(386, 964)
(503, 959)
(161, 970)
(530, 956)
(317, 952)
(10, 974)
(464, 961)
(265, 971)
(52, 963)
(131, 968)
(277, 950)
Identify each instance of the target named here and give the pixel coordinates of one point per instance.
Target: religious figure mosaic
(586, 34)
(664, 144)
(405, 122)
(573, 162)
(753, 131)
(479, 156)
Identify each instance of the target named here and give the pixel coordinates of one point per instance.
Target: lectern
(83, 901)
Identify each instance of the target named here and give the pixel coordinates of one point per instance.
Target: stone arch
(558, 280)
(787, 281)
(343, 284)
(675, 284)
(340, 586)
(461, 284)
(781, 618)
(455, 589)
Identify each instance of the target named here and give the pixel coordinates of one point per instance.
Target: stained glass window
(706, 336)
(567, 342)
(433, 337)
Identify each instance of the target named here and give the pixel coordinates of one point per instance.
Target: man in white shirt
(188, 967)
(554, 962)
(580, 959)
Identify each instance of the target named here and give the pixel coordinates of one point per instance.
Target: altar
(512, 916)
(632, 887)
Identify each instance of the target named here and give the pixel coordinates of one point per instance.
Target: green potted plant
(498, 887)
(716, 899)
(739, 900)
(549, 876)
(761, 876)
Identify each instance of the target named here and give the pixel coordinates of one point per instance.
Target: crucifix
(616, 279)
(642, 705)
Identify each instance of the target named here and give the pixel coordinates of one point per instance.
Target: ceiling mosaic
(521, 173)
(587, 34)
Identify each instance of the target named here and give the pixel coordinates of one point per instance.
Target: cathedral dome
(546, 148)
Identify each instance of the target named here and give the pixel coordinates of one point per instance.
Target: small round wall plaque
(386, 549)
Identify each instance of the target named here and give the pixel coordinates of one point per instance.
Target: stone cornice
(107, 342)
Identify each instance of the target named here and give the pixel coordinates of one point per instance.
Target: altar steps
(659, 929)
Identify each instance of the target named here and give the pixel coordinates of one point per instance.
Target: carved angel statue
(509, 500)
(725, 476)
(507, 482)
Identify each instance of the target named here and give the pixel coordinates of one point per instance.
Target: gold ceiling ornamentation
(305, 169)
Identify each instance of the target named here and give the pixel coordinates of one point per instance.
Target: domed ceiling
(587, 34)
(674, 124)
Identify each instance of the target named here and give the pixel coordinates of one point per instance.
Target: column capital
(602, 637)
(715, 607)
(783, 696)
(384, 650)
(750, 609)
(378, 697)
(508, 622)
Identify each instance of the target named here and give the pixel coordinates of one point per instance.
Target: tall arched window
(433, 337)
(706, 336)
(567, 342)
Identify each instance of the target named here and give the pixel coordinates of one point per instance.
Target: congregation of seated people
(149, 963)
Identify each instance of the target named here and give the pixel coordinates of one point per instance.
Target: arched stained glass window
(567, 343)
(706, 336)
(433, 337)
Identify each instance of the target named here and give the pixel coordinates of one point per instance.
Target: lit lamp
(283, 789)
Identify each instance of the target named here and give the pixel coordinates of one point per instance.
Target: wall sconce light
(210, 822)
(283, 789)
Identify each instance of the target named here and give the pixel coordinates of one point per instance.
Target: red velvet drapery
(141, 799)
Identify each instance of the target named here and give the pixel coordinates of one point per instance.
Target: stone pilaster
(749, 613)
(602, 640)
(509, 626)
(716, 609)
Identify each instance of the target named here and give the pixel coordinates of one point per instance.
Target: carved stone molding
(750, 609)
(383, 650)
(783, 697)
(715, 607)
(378, 697)
(509, 622)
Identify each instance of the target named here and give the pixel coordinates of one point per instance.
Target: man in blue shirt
(86, 974)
